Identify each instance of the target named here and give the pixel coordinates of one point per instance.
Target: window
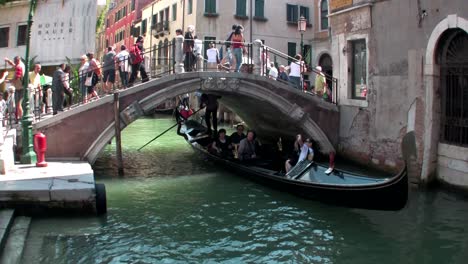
(125, 11)
(259, 8)
(304, 11)
(359, 69)
(291, 13)
(132, 5)
(107, 22)
(166, 14)
(4, 37)
(324, 15)
(210, 6)
(154, 20)
(291, 50)
(22, 32)
(143, 26)
(241, 8)
(189, 7)
(174, 12)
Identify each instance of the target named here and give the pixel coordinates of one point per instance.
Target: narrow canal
(174, 207)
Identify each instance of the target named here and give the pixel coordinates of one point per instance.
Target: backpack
(135, 56)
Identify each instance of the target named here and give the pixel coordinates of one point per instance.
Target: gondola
(340, 188)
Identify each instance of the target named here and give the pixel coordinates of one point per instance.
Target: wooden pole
(118, 139)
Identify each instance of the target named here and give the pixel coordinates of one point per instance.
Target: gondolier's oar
(165, 131)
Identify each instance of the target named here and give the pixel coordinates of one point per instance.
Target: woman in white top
(213, 57)
(297, 68)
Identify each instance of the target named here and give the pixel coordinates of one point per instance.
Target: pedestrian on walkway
(58, 79)
(238, 46)
(122, 60)
(17, 82)
(213, 57)
(188, 48)
(92, 76)
(297, 68)
(138, 62)
(109, 70)
(82, 76)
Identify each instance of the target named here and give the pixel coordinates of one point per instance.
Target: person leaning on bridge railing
(297, 68)
(238, 46)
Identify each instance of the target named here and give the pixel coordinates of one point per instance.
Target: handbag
(89, 79)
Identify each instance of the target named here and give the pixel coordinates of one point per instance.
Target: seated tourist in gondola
(236, 137)
(293, 158)
(248, 147)
(222, 145)
(307, 152)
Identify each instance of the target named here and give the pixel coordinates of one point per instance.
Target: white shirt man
(197, 47)
(273, 73)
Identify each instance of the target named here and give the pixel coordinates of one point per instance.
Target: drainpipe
(183, 15)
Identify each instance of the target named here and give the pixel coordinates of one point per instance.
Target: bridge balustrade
(168, 58)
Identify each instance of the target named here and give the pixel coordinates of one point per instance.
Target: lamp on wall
(344, 50)
(301, 27)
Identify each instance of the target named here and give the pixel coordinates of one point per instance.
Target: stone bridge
(271, 108)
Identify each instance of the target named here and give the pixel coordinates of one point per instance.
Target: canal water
(175, 207)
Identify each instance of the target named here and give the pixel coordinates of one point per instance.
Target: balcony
(160, 29)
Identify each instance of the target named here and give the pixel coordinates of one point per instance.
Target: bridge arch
(268, 106)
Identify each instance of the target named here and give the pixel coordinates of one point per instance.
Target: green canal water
(174, 207)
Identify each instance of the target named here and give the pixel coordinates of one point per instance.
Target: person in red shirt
(18, 84)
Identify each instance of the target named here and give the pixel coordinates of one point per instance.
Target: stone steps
(14, 232)
(6, 221)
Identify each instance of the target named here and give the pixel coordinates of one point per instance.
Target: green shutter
(210, 6)
(241, 8)
(291, 50)
(259, 8)
(304, 11)
(174, 12)
(190, 7)
(143, 27)
(291, 13)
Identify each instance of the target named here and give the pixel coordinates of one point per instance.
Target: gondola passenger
(307, 152)
(292, 160)
(248, 147)
(222, 145)
(236, 137)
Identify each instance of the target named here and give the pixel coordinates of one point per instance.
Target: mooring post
(118, 140)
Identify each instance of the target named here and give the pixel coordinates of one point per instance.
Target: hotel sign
(63, 29)
(338, 4)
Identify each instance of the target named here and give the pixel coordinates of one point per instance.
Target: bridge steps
(13, 234)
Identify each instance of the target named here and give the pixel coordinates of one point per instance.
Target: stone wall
(397, 35)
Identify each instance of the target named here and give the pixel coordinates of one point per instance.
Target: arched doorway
(441, 78)
(453, 60)
(326, 63)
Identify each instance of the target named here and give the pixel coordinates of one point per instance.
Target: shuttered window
(190, 7)
(259, 8)
(291, 50)
(210, 6)
(304, 11)
(241, 8)
(174, 12)
(291, 13)
(324, 15)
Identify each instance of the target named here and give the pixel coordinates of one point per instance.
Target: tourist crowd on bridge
(128, 62)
